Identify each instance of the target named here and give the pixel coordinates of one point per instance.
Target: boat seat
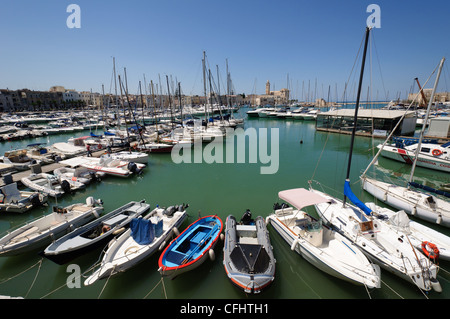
(115, 220)
(81, 208)
(26, 233)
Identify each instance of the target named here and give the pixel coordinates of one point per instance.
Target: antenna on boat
(356, 108)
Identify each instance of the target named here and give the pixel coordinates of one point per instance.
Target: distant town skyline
(305, 46)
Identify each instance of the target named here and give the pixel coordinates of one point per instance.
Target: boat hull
(368, 274)
(406, 156)
(180, 257)
(411, 201)
(248, 274)
(78, 242)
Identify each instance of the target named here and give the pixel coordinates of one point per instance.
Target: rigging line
(35, 277)
(392, 289)
(153, 289)
(379, 66)
(8, 279)
(104, 286)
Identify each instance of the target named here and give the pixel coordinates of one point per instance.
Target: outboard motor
(35, 200)
(65, 186)
(132, 167)
(247, 218)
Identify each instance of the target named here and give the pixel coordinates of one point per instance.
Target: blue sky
(311, 41)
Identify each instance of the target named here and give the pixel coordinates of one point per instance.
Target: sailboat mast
(357, 106)
(425, 121)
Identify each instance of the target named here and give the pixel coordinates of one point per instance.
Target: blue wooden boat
(192, 247)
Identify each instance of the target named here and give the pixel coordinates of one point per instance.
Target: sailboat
(375, 238)
(415, 202)
(324, 248)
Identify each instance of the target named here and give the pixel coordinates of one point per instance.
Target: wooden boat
(15, 201)
(42, 231)
(145, 236)
(98, 232)
(192, 247)
(50, 185)
(320, 245)
(247, 254)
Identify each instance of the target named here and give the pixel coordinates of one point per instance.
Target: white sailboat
(374, 237)
(321, 246)
(415, 202)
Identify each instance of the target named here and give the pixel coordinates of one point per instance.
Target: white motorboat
(67, 150)
(18, 159)
(50, 185)
(434, 244)
(15, 201)
(111, 166)
(42, 231)
(321, 246)
(95, 234)
(79, 174)
(145, 236)
(433, 156)
(136, 157)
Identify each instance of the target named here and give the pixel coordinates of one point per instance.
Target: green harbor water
(222, 189)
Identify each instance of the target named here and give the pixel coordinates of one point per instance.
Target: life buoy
(436, 152)
(105, 228)
(430, 250)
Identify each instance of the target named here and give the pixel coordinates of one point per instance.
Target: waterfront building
(371, 122)
(272, 98)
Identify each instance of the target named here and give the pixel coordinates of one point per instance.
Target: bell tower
(268, 88)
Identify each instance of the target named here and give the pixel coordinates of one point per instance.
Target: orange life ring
(436, 152)
(105, 228)
(430, 250)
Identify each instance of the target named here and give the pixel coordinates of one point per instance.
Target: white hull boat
(14, 201)
(44, 230)
(324, 248)
(50, 185)
(136, 157)
(111, 166)
(97, 233)
(435, 245)
(67, 150)
(134, 246)
(379, 242)
(18, 159)
(412, 201)
(433, 156)
(79, 174)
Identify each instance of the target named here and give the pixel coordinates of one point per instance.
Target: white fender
(212, 255)
(439, 219)
(294, 244)
(222, 236)
(176, 231)
(162, 245)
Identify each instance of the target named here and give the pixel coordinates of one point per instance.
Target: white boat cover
(300, 197)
